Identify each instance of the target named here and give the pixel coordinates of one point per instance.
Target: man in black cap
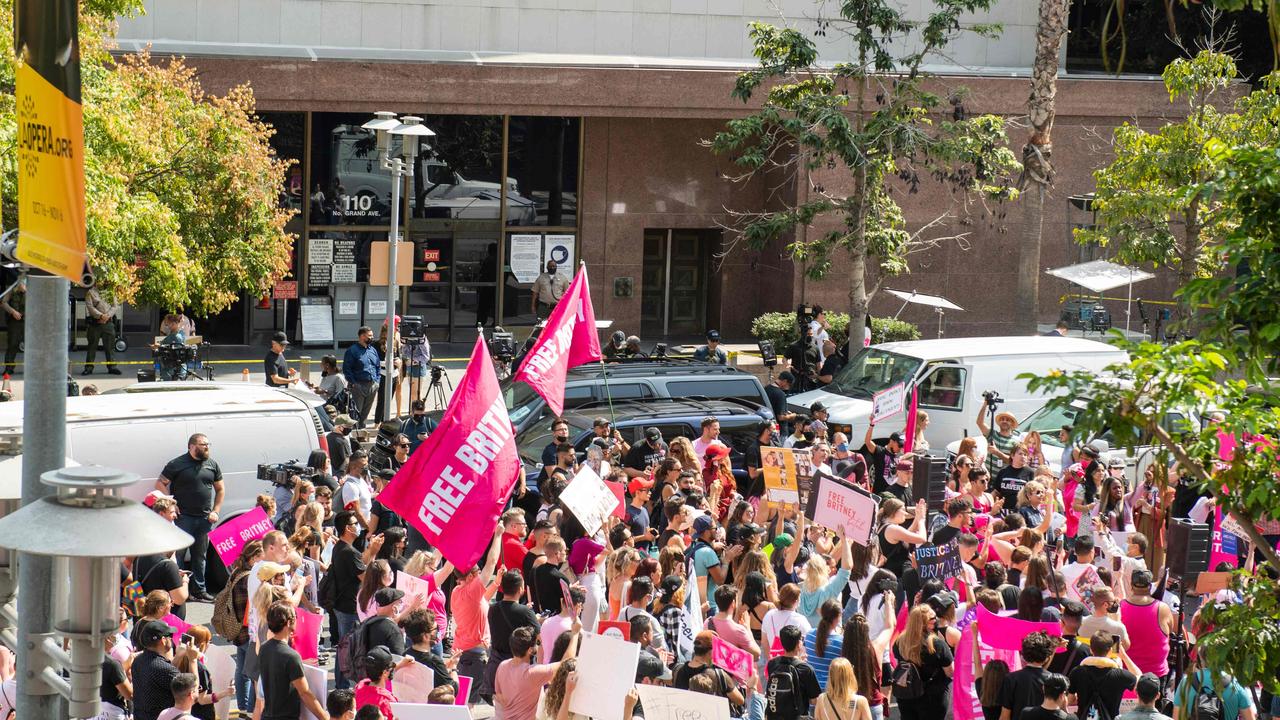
(644, 455)
(153, 670)
(1148, 689)
(274, 366)
(711, 352)
(380, 628)
(615, 447)
(884, 458)
(617, 345)
(777, 392)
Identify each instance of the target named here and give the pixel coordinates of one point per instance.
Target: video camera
(412, 329)
(805, 314)
(281, 474)
(502, 345)
(993, 399)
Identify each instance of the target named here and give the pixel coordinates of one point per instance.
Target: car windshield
(532, 441)
(520, 399)
(871, 371)
(1048, 420)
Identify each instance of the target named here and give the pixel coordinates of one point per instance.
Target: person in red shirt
(376, 689)
(514, 529)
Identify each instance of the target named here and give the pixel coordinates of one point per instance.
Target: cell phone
(187, 639)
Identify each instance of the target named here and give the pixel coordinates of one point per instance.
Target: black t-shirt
(205, 686)
(1185, 496)
(387, 518)
(504, 617)
(777, 400)
(346, 569)
(902, 492)
(339, 451)
(191, 483)
(279, 665)
(548, 459)
(933, 666)
(1100, 685)
(832, 365)
(1022, 689)
(638, 521)
(159, 572)
(274, 365)
(723, 680)
(885, 465)
(1010, 481)
(546, 578)
(526, 570)
(944, 534)
(808, 689)
(112, 675)
(437, 665)
(381, 630)
(1064, 662)
(1039, 713)
(641, 456)
(151, 677)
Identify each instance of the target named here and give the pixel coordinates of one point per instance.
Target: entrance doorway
(675, 287)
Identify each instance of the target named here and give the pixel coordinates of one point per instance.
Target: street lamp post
(409, 129)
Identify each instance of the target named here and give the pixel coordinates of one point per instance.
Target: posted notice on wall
(560, 249)
(526, 257)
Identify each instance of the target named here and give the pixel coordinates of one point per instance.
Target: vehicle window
(744, 388)
(871, 371)
(521, 400)
(1048, 421)
(739, 439)
(627, 391)
(943, 388)
(531, 442)
(578, 396)
(675, 430)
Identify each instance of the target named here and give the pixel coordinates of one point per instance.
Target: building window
(542, 164)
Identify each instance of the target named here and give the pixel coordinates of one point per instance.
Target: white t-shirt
(700, 447)
(775, 620)
(820, 336)
(357, 490)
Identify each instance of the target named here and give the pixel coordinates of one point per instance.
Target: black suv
(595, 385)
(739, 425)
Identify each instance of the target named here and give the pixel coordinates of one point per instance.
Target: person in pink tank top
(1149, 622)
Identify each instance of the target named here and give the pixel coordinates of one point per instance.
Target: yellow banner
(51, 216)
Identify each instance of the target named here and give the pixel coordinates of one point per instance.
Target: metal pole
(393, 246)
(1127, 304)
(43, 449)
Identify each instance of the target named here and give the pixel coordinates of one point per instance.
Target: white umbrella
(11, 476)
(939, 304)
(1100, 276)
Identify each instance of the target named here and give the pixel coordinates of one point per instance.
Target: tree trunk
(1037, 169)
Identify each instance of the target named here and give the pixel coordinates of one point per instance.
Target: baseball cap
(155, 630)
(713, 335)
(1148, 686)
(1116, 462)
(268, 570)
(905, 465)
(386, 473)
(702, 524)
(638, 484)
(280, 337)
(787, 376)
(600, 422)
(344, 420)
(895, 437)
(153, 496)
(651, 668)
(717, 450)
(750, 529)
(387, 596)
(1140, 578)
(817, 407)
(652, 433)
(379, 657)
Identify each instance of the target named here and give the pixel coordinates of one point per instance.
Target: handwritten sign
(614, 629)
(779, 468)
(736, 661)
(229, 538)
(939, 561)
(606, 672)
(413, 586)
(888, 402)
(589, 499)
(661, 703)
(839, 504)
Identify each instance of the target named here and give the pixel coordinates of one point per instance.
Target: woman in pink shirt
(471, 618)
(426, 565)
(518, 682)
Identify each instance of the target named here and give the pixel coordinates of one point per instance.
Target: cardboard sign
(836, 503)
(589, 499)
(939, 561)
(614, 629)
(222, 670)
(779, 468)
(414, 683)
(606, 673)
(736, 661)
(318, 683)
(412, 586)
(229, 538)
(423, 711)
(662, 703)
(888, 402)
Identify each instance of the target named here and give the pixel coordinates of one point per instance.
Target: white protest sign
(888, 402)
(589, 499)
(414, 683)
(422, 711)
(222, 670)
(606, 671)
(318, 684)
(661, 703)
(835, 504)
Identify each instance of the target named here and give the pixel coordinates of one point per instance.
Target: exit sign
(430, 256)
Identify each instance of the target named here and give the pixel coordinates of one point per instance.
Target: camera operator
(1000, 443)
(833, 361)
(804, 359)
(415, 363)
(277, 370)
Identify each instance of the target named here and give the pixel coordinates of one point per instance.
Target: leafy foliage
(781, 329)
(181, 188)
(871, 120)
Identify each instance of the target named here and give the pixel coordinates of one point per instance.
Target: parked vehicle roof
(943, 348)
(157, 404)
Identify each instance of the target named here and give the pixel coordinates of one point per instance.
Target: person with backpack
(379, 629)
(230, 608)
(1100, 681)
(792, 685)
(700, 664)
(1025, 688)
(1053, 705)
(922, 679)
(1209, 695)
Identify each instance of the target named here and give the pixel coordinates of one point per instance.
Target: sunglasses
(402, 444)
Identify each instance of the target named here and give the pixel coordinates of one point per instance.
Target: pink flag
(911, 422)
(965, 704)
(568, 340)
(1006, 633)
(453, 488)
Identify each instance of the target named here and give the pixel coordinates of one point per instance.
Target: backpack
(1206, 705)
(907, 683)
(224, 621)
(783, 697)
(353, 648)
(326, 592)
(132, 593)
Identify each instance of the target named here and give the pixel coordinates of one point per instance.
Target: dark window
(542, 162)
(626, 391)
(578, 396)
(943, 388)
(744, 388)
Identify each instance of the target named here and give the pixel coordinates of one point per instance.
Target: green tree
(182, 189)
(870, 124)
(1144, 210)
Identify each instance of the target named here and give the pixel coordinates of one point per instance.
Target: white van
(143, 428)
(951, 375)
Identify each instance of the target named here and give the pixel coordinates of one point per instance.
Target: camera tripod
(436, 391)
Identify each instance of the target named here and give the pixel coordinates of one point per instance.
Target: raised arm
(491, 562)
(867, 442)
(982, 420)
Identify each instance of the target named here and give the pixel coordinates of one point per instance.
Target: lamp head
(411, 130)
(383, 122)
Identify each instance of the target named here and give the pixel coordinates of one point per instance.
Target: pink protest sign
(464, 690)
(965, 703)
(306, 635)
(1223, 546)
(735, 660)
(1006, 633)
(231, 536)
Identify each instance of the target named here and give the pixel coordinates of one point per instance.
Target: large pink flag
(453, 487)
(568, 340)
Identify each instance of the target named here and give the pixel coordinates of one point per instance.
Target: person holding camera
(415, 363)
(416, 427)
(1001, 442)
(711, 352)
(275, 367)
(804, 359)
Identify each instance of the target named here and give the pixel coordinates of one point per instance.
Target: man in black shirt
(340, 444)
(1014, 476)
(1100, 681)
(505, 616)
(754, 461)
(959, 517)
(346, 568)
(380, 628)
(645, 454)
(884, 459)
(1025, 688)
(195, 481)
(559, 436)
(1064, 662)
(547, 577)
(153, 670)
(777, 392)
(1055, 699)
(114, 682)
(160, 572)
(284, 686)
(798, 675)
(833, 364)
(804, 356)
(274, 366)
(900, 488)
